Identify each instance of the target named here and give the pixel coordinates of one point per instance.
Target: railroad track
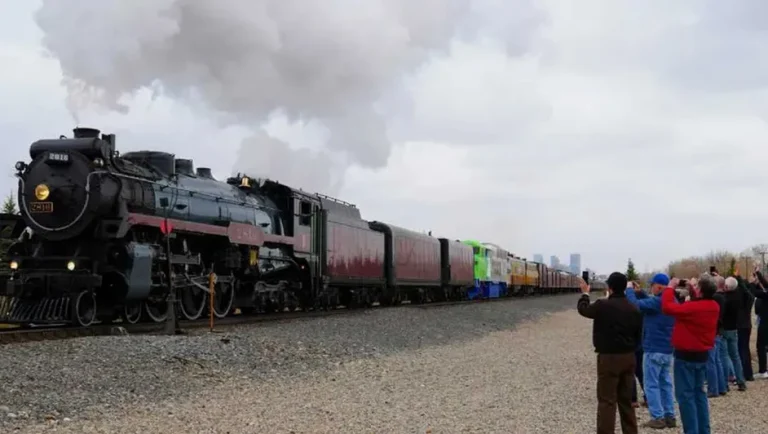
(44, 333)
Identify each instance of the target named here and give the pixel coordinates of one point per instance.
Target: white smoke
(327, 61)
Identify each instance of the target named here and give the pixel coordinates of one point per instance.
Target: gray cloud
(245, 60)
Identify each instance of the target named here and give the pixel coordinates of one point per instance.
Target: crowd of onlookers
(676, 340)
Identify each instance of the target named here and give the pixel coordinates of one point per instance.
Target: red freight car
(458, 262)
(355, 253)
(412, 260)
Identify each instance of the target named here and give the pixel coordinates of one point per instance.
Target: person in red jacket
(693, 336)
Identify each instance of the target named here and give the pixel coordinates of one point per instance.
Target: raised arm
(670, 305)
(646, 305)
(761, 279)
(758, 292)
(586, 308)
(747, 298)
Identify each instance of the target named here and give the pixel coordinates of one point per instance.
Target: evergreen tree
(9, 206)
(732, 267)
(631, 273)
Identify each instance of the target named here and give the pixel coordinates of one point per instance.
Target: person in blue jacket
(657, 357)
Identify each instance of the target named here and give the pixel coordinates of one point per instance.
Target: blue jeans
(725, 360)
(732, 343)
(717, 381)
(657, 382)
(691, 397)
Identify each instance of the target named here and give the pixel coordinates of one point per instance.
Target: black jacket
(761, 296)
(720, 299)
(744, 320)
(733, 303)
(617, 327)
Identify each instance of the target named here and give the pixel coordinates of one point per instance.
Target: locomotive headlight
(20, 166)
(71, 265)
(98, 162)
(14, 265)
(42, 192)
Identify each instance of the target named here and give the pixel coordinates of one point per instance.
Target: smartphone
(682, 284)
(712, 269)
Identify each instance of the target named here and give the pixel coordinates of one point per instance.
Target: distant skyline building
(554, 262)
(575, 263)
(538, 257)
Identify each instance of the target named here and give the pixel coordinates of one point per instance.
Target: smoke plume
(326, 61)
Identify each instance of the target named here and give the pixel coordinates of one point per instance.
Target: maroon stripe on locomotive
(237, 233)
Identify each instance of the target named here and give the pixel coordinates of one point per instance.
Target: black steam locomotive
(93, 245)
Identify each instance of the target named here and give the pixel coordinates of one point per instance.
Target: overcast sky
(611, 128)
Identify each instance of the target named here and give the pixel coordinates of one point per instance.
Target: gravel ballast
(518, 366)
(62, 379)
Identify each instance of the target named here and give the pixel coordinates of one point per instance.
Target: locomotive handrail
(79, 216)
(323, 196)
(196, 192)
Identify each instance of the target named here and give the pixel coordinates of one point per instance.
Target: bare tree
(759, 251)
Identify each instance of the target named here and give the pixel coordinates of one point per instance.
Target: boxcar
(516, 275)
(531, 276)
(574, 283)
(411, 260)
(552, 277)
(457, 265)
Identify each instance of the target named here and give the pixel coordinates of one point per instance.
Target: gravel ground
(522, 366)
(67, 380)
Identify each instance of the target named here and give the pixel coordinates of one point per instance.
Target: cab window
(305, 211)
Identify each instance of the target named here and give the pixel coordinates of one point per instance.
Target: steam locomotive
(103, 235)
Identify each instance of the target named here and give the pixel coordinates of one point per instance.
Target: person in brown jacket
(616, 334)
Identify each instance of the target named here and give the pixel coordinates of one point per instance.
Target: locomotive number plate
(41, 207)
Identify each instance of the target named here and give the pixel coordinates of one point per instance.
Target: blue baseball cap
(660, 279)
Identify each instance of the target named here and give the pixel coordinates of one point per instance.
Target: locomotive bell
(245, 182)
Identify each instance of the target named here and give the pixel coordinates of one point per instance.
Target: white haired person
(734, 300)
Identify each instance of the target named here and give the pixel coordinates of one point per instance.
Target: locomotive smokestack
(86, 133)
(205, 172)
(185, 167)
